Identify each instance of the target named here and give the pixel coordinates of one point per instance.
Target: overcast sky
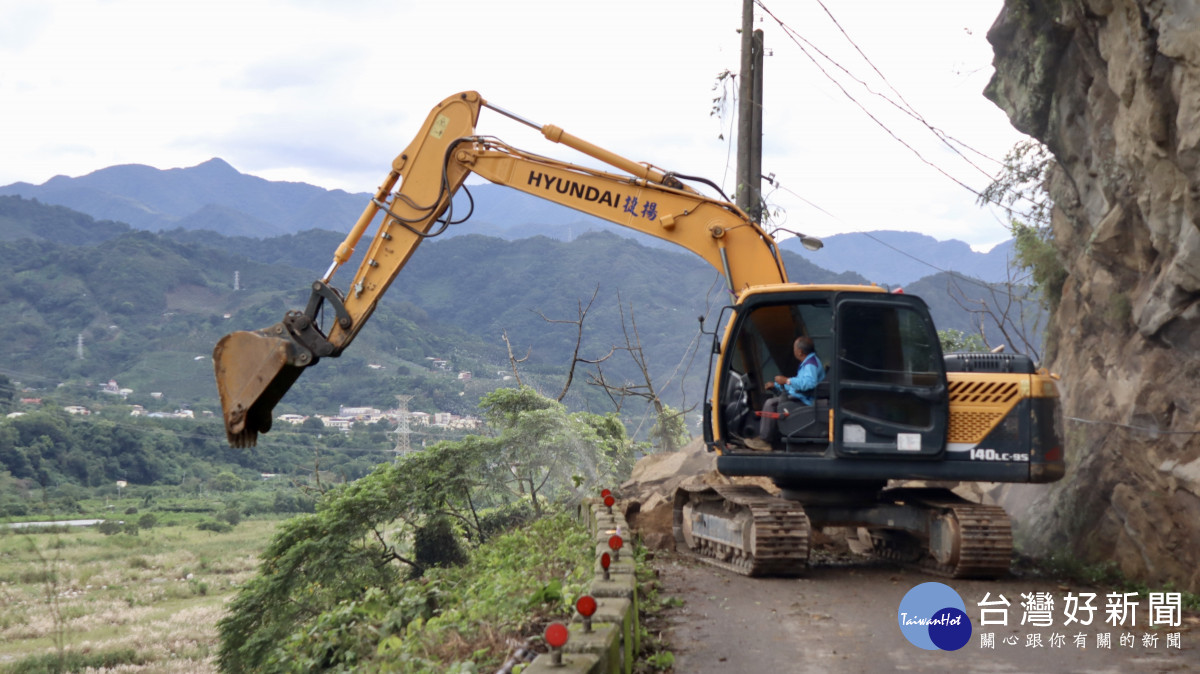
(328, 92)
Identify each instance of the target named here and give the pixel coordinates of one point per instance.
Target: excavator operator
(798, 388)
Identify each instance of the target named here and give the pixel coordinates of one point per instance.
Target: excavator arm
(255, 369)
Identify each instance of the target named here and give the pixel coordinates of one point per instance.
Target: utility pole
(750, 92)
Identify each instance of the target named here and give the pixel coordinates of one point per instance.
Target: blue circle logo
(932, 616)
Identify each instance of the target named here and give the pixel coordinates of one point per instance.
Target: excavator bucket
(254, 370)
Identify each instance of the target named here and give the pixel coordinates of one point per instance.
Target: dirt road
(842, 617)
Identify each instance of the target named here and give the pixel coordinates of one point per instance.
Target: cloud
(334, 148)
(313, 71)
(22, 23)
(328, 92)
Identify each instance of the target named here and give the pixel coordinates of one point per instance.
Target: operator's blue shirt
(810, 373)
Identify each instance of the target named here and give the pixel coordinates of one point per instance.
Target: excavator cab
(885, 386)
(892, 406)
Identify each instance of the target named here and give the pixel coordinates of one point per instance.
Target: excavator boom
(255, 369)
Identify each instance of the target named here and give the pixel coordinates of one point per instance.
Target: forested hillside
(92, 301)
(146, 311)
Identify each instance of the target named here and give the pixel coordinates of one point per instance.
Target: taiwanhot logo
(932, 616)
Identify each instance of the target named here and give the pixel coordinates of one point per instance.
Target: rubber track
(781, 532)
(985, 542)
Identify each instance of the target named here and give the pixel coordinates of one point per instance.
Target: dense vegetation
(331, 589)
(49, 461)
(146, 311)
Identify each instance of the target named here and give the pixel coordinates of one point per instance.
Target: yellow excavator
(892, 409)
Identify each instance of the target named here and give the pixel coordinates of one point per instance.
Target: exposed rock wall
(1112, 87)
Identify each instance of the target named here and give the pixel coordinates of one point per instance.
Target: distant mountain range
(214, 196)
(92, 300)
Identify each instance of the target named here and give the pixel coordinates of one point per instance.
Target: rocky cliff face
(1112, 87)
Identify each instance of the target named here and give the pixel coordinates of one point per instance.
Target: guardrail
(611, 642)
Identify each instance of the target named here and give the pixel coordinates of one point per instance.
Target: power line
(907, 108)
(807, 47)
(957, 275)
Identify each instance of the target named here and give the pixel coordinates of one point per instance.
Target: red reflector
(605, 493)
(609, 501)
(586, 606)
(605, 560)
(1055, 454)
(614, 543)
(557, 635)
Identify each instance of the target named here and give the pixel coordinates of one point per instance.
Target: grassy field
(133, 603)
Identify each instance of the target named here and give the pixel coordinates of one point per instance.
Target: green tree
(1035, 252)
(404, 516)
(231, 515)
(12, 455)
(1020, 187)
(354, 540)
(7, 393)
(225, 481)
(435, 543)
(956, 340)
(618, 448)
(541, 446)
(669, 432)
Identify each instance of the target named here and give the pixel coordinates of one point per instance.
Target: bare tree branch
(389, 551)
(634, 347)
(513, 360)
(575, 359)
(597, 379)
(1006, 306)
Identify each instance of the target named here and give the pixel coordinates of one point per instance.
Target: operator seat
(806, 425)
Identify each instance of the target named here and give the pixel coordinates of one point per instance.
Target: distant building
(464, 376)
(177, 414)
(76, 409)
(340, 423)
(465, 423)
(357, 412)
(293, 419)
(111, 388)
